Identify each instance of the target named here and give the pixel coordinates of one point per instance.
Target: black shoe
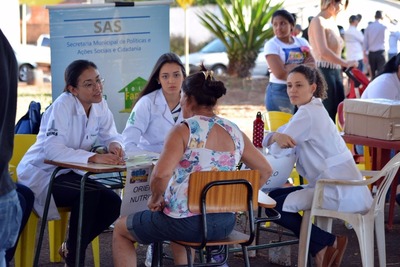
(398, 199)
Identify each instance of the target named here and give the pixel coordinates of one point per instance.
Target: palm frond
(243, 27)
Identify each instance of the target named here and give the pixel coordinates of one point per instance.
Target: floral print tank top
(198, 158)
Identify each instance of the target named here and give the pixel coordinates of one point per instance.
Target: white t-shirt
(289, 53)
(354, 43)
(394, 41)
(386, 85)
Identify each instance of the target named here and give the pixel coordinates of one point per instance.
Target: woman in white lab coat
(321, 153)
(156, 111)
(157, 108)
(78, 120)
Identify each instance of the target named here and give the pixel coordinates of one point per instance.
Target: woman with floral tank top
(202, 142)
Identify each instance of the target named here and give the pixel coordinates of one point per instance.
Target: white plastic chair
(363, 224)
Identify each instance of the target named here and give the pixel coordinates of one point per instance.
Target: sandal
(341, 244)
(330, 257)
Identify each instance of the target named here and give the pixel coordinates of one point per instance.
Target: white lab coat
(149, 123)
(66, 134)
(321, 154)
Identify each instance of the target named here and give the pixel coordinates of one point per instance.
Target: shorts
(150, 227)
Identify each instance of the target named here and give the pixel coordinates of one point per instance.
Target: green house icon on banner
(131, 92)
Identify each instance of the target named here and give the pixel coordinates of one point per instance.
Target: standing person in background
(156, 111)
(374, 44)
(10, 210)
(157, 108)
(9, 215)
(327, 47)
(354, 42)
(297, 30)
(394, 38)
(283, 52)
(77, 121)
(26, 199)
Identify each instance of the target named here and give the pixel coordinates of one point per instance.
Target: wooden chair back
(227, 198)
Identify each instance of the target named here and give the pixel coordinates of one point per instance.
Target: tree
(243, 28)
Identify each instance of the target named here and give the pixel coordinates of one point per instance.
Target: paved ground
(351, 258)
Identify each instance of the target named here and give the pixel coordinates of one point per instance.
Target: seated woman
(156, 111)
(157, 108)
(78, 120)
(202, 142)
(387, 83)
(321, 154)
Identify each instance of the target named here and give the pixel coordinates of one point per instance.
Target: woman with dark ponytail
(321, 153)
(387, 83)
(202, 142)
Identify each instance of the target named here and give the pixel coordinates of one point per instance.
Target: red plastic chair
(358, 82)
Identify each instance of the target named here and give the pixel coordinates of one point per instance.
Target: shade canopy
(40, 2)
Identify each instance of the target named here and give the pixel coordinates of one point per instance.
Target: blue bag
(30, 122)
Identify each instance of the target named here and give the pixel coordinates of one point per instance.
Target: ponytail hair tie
(208, 73)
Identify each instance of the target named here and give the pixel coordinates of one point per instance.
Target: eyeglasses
(93, 85)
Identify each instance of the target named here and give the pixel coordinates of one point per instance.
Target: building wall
(37, 24)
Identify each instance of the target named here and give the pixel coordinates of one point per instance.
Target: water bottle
(258, 131)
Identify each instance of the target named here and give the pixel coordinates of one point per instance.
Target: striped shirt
(175, 112)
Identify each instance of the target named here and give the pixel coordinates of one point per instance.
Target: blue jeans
(361, 65)
(148, 227)
(277, 99)
(10, 221)
(26, 199)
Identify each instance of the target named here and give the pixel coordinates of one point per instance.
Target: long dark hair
(291, 18)
(392, 65)
(74, 70)
(203, 87)
(152, 83)
(312, 75)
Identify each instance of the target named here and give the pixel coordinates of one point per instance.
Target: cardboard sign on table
(137, 186)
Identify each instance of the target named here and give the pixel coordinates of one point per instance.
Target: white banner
(123, 41)
(137, 189)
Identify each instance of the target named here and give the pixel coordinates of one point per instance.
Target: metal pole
(186, 43)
